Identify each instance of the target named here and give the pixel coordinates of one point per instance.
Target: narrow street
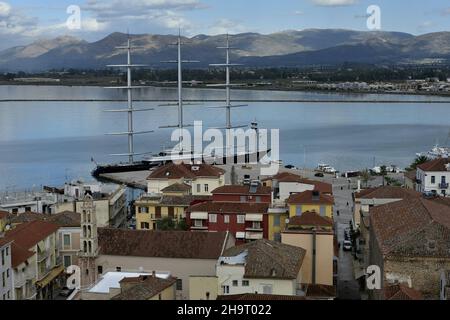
(348, 287)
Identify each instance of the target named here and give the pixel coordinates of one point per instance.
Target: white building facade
(6, 271)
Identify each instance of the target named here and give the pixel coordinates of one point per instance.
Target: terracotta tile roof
(244, 190)
(307, 197)
(269, 260)
(396, 224)
(177, 187)
(435, 165)
(229, 207)
(401, 292)
(144, 288)
(387, 192)
(174, 171)
(411, 175)
(66, 219)
(290, 177)
(3, 241)
(19, 255)
(441, 200)
(284, 177)
(318, 185)
(27, 235)
(25, 217)
(259, 297)
(320, 291)
(161, 244)
(310, 219)
(184, 201)
(63, 219)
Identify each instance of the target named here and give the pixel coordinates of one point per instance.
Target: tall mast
(228, 105)
(180, 104)
(180, 86)
(130, 108)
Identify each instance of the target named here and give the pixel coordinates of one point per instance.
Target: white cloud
(425, 25)
(13, 22)
(299, 13)
(334, 3)
(223, 26)
(138, 8)
(5, 9)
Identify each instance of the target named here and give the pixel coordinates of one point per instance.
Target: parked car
(348, 245)
(319, 175)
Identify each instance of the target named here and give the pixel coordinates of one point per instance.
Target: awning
(254, 217)
(199, 215)
(50, 276)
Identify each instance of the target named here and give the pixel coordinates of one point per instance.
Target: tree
(417, 162)
(182, 225)
(233, 176)
(166, 224)
(366, 177)
(383, 173)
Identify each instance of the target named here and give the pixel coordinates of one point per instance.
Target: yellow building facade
(311, 201)
(277, 222)
(151, 210)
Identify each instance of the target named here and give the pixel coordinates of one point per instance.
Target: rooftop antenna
(228, 105)
(180, 104)
(130, 109)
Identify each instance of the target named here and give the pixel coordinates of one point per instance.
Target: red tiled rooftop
(387, 192)
(401, 292)
(161, 244)
(29, 234)
(397, 223)
(179, 171)
(290, 177)
(307, 197)
(310, 219)
(435, 165)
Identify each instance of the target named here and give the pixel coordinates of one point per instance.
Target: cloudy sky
(24, 21)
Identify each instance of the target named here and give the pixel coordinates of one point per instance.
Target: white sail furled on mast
(130, 108)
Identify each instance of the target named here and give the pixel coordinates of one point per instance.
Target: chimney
(359, 186)
(316, 195)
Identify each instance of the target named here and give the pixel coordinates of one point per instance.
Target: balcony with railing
(443, 185)
(43, 255)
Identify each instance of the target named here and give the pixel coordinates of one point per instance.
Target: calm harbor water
(46, 143)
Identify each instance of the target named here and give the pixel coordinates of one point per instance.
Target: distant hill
(287, 48)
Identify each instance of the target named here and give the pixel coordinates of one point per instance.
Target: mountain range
(282, 49)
